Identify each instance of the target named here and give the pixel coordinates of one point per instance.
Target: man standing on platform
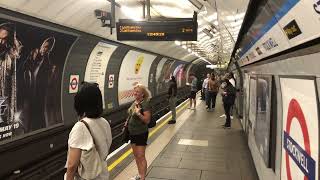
(193, 85)
(172, 94)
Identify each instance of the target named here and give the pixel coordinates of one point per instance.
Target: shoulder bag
(90, 162)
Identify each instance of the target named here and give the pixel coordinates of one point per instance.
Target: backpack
(153, 120)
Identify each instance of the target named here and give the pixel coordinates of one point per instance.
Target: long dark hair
(13, 46)
(88, 101)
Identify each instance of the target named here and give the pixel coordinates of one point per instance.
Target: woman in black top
(172, 95)
(228, 98)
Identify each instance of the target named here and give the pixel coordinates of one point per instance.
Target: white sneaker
(136, 177)
(223, 115)
(231, 117)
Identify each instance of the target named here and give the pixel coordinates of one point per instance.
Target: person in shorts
(137, 123)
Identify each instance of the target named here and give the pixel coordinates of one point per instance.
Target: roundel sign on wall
(300, 134)
(74, 83)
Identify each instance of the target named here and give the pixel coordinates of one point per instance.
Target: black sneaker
(172, 122)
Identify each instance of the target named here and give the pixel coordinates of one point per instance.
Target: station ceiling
(219, 22)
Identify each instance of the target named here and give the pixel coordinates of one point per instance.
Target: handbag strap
(87, 125)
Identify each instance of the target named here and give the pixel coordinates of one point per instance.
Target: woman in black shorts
(139, 117)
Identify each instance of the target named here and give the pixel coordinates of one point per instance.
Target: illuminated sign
(183, 29)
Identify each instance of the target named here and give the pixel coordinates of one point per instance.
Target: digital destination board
(183, 29)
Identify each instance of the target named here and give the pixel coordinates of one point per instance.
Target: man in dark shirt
(172, 95)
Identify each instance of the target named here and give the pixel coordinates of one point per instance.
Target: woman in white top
(88, 105)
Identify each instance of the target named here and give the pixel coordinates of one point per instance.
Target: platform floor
(198, 148)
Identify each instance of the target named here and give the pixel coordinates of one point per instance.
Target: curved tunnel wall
(47, 140)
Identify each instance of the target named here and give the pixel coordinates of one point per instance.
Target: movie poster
(163, 75)
(179, 74)
(32, 61)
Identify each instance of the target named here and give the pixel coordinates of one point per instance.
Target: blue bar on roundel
(305, 162)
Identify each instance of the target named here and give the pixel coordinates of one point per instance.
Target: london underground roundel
(300, 141)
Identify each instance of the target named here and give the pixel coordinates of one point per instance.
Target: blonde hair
(145, 91)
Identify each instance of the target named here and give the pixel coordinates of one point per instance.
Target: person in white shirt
(88, 105)
(205, 88)
(232, 79)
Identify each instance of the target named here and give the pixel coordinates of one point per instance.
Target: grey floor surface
(227, 156)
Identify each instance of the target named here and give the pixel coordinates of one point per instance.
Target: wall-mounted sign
(184, 29)
(292, 29)
(269, 44)
(74, 84)
(300, 130)
(258, 50)
(111, 81)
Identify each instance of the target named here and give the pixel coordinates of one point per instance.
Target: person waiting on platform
(137, 123)
(204, 89)
(193, 93)
(172, 95)
(228, 98)
(90, 138)
(213, 88)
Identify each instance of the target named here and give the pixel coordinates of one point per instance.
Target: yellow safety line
(128, 152)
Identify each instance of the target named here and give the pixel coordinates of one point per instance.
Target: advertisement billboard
(31, 60)
(300, 129)
(97, 65)
(179, 73)
(163, 75)
(134, 69)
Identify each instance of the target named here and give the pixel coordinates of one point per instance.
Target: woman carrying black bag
(137, 127)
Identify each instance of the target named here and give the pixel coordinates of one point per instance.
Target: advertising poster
(188, 71)
(31, 60)
(300, 129)
(163, 75)
(179, 73)
(262, 125)
(253, 102)
(134, 69)
(97, 65)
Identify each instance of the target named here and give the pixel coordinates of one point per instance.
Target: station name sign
(183, 29)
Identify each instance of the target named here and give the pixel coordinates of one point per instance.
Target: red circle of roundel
(295, 110)
(74, 83)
